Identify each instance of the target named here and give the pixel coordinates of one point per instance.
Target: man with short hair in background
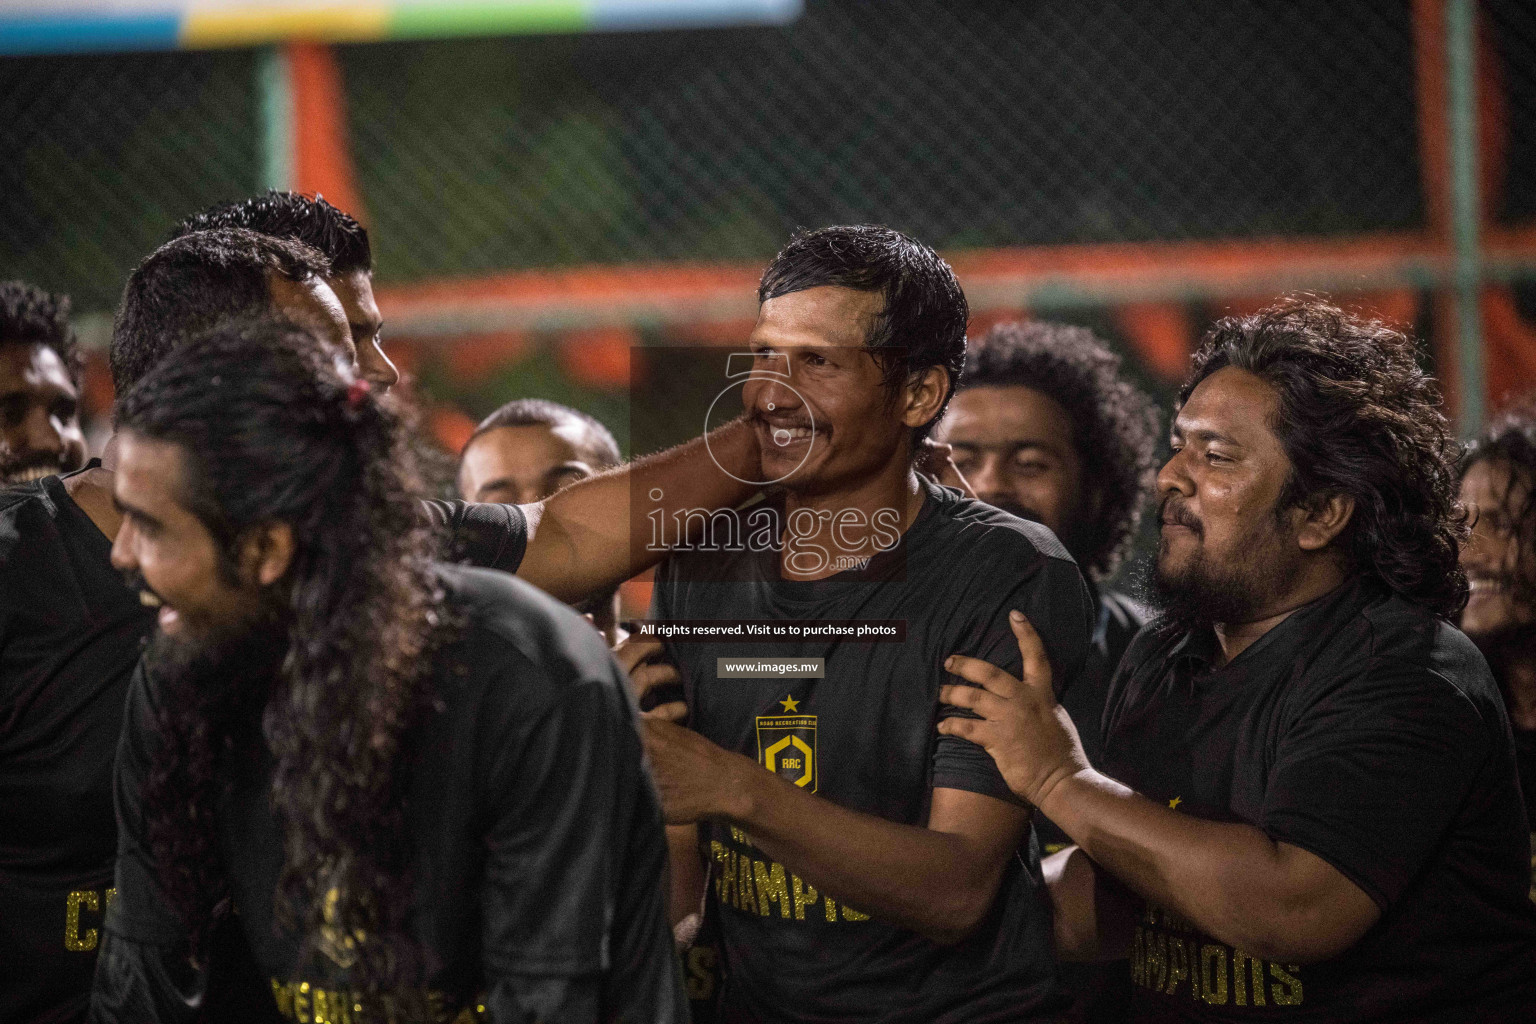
(1308, 781)
(527, 450)
(340, 238)
(1498, 487)
(39, 386)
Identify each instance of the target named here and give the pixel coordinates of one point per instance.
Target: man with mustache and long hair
(71, 632)
(1498, 487)
(420, 785)
(1308, 783)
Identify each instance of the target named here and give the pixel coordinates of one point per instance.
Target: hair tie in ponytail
(356, 391)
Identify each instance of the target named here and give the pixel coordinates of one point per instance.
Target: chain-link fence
(977, 124)
(1048, 128)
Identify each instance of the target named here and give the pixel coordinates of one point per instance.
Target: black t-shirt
(1120, 618)
(864, 737)
(486, 535)
(1525, 756)
(536, 839)
(1370, 733)
(70, 634)
(1100, 992)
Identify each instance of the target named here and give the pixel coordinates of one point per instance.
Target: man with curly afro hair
(1046, 426)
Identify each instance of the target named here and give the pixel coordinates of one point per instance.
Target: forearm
(603, 530)
(687, 871)
(1230, 880)
(1092, 914)
(936, 883)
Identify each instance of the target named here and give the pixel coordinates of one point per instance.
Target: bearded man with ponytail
(417, 785)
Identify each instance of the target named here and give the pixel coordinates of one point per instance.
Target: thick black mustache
(135, 582)
(761, 418)
(1175, 512)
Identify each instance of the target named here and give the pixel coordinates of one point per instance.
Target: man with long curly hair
(1308, 787)
(420, 785)
(71, 632)
(1498, 487)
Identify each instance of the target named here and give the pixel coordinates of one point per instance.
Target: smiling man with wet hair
(863, 867)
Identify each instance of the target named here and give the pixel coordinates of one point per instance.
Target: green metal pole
(274, 111)
(1461, 85)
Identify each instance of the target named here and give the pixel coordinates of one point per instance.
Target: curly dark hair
(1357, 416)
(1114, 423)
(923, 322)
(1511, 440)
(294, 216)
(270, 428)
(28, 314)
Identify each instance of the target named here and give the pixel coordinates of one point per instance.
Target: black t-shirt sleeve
(1055, 600)
(1371, 776)
(486, 535)
(142, 973)
(554, 798)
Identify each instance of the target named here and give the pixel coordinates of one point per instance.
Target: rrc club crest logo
(786, 746)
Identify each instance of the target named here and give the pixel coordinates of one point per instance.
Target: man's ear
(1324, 521)
(266, 551)
(925, 395)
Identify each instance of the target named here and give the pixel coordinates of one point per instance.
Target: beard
(224, 674)
(1203, 592)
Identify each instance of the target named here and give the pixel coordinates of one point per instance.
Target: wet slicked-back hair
(540, 412)
(1357, 416)
(923, 322)
(1114, 424)
(1511, 440)
(30, 315)
(294, 216)
(192, 284)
